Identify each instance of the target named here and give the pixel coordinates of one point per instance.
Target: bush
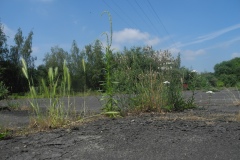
(3, 91)
(156, 87)
(220, 83)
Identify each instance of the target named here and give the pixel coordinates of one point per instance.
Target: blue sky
(205, 32)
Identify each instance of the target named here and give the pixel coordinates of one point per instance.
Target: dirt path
(209, 132)
(147, 136)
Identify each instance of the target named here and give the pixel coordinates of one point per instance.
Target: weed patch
(57, 112)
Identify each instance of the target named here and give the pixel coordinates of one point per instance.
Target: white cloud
(234, 55)
(188, 55)
(152, 42)
(134, 36)
(191, 55)
(225, 44)
(129, 35)
(210, 36)
(175, 51)
(217, 33)
(230, 42)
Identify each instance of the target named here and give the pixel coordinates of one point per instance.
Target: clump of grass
(160, 90)
(56, 113)
(4, 133)
(149, 96)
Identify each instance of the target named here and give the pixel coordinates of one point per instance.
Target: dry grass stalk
(193, 117)
(236, 102)
(238, 116)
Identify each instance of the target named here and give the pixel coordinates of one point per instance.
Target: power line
(134, 8)
(124, 13)
(116, 13)
(159, 19)
(147, 17)
(136, 11)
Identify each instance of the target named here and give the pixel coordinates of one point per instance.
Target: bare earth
(208, 132)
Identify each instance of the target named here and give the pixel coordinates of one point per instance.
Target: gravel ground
(209, 132)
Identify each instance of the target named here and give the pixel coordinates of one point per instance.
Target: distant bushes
(228, 72)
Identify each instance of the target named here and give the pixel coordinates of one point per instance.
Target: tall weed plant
(110, 107)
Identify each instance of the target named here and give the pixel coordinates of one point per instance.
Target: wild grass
(57, 112)
(4, 133)
(150, 96)
(158, 89)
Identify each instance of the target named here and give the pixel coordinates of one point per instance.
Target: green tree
(56, 58)
(94, 65)
(27, 50)
(76, 67)
(3, 63)
(10, 61)
(228, 71)
(3, 45)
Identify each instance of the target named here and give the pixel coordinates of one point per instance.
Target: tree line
(127, 65)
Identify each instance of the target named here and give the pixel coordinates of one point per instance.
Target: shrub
(3, 91)
(159, 88)
(220, 83)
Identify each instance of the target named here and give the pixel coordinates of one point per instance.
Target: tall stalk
(111, 104)
(84, 87)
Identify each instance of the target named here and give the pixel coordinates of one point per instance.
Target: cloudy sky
(204, 32)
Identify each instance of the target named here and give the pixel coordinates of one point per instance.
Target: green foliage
(110, 103)
(3, 91)
(156, 85)
(202, 81)
(57, 113)
(56, 58)
(228, 72)
(4, 133)
(76, 69)
(129, 64)
(94, 65)
(220, 83)
(10, 64)
(3, 45)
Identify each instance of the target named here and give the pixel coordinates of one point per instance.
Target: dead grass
(238, 116)
(208, 118)
(25, 108)
(236, 102)
(33, 128)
